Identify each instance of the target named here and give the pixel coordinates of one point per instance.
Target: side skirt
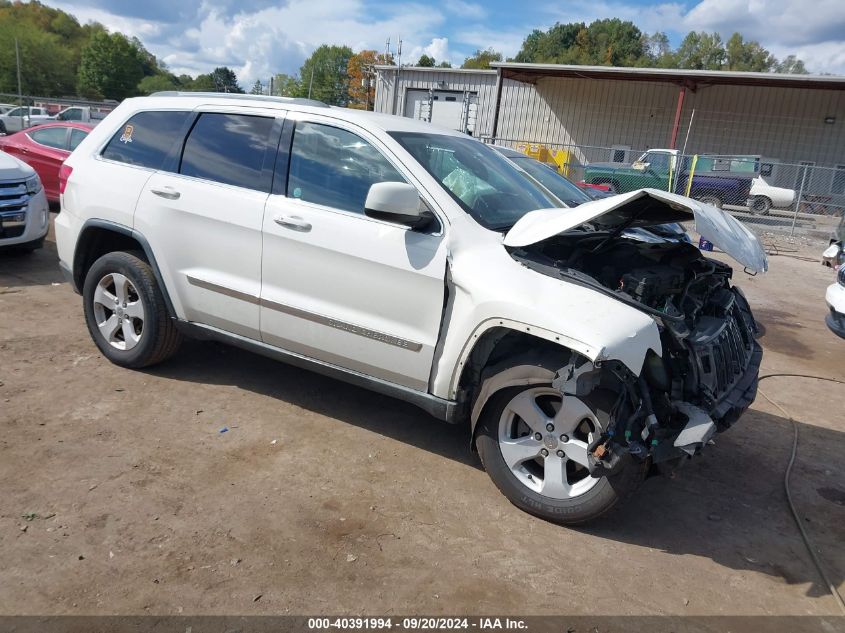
(446, 410)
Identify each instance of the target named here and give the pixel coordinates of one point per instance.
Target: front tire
(547, 477)
(126, 313)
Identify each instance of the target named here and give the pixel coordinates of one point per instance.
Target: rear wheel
(761, 205)
(125, 311)
(533, 443)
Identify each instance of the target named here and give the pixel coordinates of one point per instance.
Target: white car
(835, 297)
(422, 264)
(22, 117)
(763, 197)
(24, 213)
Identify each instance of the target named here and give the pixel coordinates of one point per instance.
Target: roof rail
(242, 97)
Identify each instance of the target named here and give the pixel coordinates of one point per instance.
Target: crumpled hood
(13, 169)
(642, 208)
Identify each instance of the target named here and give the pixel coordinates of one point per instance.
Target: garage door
(447, 108)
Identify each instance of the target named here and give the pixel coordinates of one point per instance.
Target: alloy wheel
(544, 438)
(119, 311)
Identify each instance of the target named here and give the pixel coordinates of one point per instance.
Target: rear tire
(126, 313)
(761, 205)
(516, 462)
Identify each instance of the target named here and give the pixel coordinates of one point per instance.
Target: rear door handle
(166, 192)
(293, 222)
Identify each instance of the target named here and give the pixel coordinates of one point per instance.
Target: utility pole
(311, 81)
(20, 92)
(398, 71)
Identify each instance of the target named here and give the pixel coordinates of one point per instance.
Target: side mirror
(394, 202)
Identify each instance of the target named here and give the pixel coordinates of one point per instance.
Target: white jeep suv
(422, 264)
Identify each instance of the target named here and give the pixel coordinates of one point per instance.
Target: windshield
(486, 185)
(568, 193)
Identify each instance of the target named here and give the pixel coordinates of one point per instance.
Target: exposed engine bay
(707, 375)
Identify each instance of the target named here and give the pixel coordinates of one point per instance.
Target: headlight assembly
(33, 185)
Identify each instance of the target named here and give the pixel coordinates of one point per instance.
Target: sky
(258, 38)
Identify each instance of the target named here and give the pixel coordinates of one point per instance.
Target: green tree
(202, 83)
(47, 66)
(604, 42)
(159, 83)
(749, 56)
(481, 59)
(444, 65)
(555, 46)
(225, 80)
(110, 67)
(656, 50)
(285, 85)
(791, 65)
(613, 42)
(324, 75)
(257, 88)
(425, 61)
(701, 51)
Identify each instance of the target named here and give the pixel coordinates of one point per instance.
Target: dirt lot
(322, 497)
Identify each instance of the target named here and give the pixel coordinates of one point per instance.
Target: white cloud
(649, 18)
(130, 26)
(825, 57)
(772, 22)
(468, 10)
(258, 42)
(438, 48)
(506, 42)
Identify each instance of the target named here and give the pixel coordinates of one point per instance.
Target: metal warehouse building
(612, 114)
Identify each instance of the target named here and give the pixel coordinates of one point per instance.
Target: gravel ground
(120, 495)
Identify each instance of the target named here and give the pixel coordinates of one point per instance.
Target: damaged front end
(706, 376)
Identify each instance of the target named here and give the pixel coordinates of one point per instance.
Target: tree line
(61, 57)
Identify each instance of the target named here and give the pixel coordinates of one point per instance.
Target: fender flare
(516, 376)
(95, 223)
(565, 342)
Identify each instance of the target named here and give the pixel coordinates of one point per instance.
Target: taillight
(64, 173)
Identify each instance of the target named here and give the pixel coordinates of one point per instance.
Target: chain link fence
(794, 199)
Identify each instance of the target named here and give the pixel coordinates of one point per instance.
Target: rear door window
(335, 168)
(231, 149)
(76, 136)
(55, 137)
(147, 138)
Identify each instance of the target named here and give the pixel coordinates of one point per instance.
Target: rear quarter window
(146, 139)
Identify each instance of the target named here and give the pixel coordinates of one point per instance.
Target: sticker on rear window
(126, 137)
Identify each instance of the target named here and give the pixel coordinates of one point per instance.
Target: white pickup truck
(80, 114)
(22, 117)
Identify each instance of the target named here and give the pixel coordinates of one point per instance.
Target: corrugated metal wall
(785, 124)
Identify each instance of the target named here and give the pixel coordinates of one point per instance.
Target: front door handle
(293, 222)
(166, 192)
